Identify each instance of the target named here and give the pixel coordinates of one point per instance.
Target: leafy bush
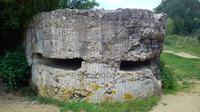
(169, 83)
(14, 70)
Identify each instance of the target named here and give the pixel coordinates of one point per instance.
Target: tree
(83, 4)
(184, 13)
(169, 26)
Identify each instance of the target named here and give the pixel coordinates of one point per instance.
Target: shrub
(14, 69)
(169, 83)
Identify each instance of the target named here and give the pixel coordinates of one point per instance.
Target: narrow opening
(133, 65)
(68, 64)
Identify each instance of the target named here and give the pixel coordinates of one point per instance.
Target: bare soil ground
(15, 103)
(180, 102)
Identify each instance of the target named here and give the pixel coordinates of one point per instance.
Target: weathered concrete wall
(96, 55)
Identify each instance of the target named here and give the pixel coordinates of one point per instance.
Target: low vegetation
(182, 44)
(169, 82)
(14, 70)
(138, 105)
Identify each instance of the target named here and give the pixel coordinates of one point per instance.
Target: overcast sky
(142, 4)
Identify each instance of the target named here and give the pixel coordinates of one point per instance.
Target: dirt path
(182, 54)
(181, 102)
(15, 103)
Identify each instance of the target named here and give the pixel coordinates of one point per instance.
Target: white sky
(142, 4)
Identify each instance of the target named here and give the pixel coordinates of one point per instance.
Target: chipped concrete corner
(96, 55)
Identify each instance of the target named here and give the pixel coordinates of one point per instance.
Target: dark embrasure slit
(68, 64)
(133, 65)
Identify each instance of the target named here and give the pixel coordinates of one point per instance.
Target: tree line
(183, 16)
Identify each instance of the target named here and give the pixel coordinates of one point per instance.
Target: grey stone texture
(96, 55)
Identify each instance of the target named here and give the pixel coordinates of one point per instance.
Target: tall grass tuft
(169, 83)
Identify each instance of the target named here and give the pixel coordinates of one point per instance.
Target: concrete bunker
(96, 55)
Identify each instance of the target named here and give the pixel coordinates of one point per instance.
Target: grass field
(182, 44)
(183, 69)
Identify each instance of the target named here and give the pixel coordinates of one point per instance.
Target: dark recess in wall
(133, 65)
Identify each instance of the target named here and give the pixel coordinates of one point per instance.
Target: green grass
(169, 82)
(183, 68)
(182, 44)
(138, 105)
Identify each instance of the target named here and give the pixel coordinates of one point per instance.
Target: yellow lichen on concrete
(128, 96)
(114, 92)
(42, 90)
(66, 94)
(95, 86)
